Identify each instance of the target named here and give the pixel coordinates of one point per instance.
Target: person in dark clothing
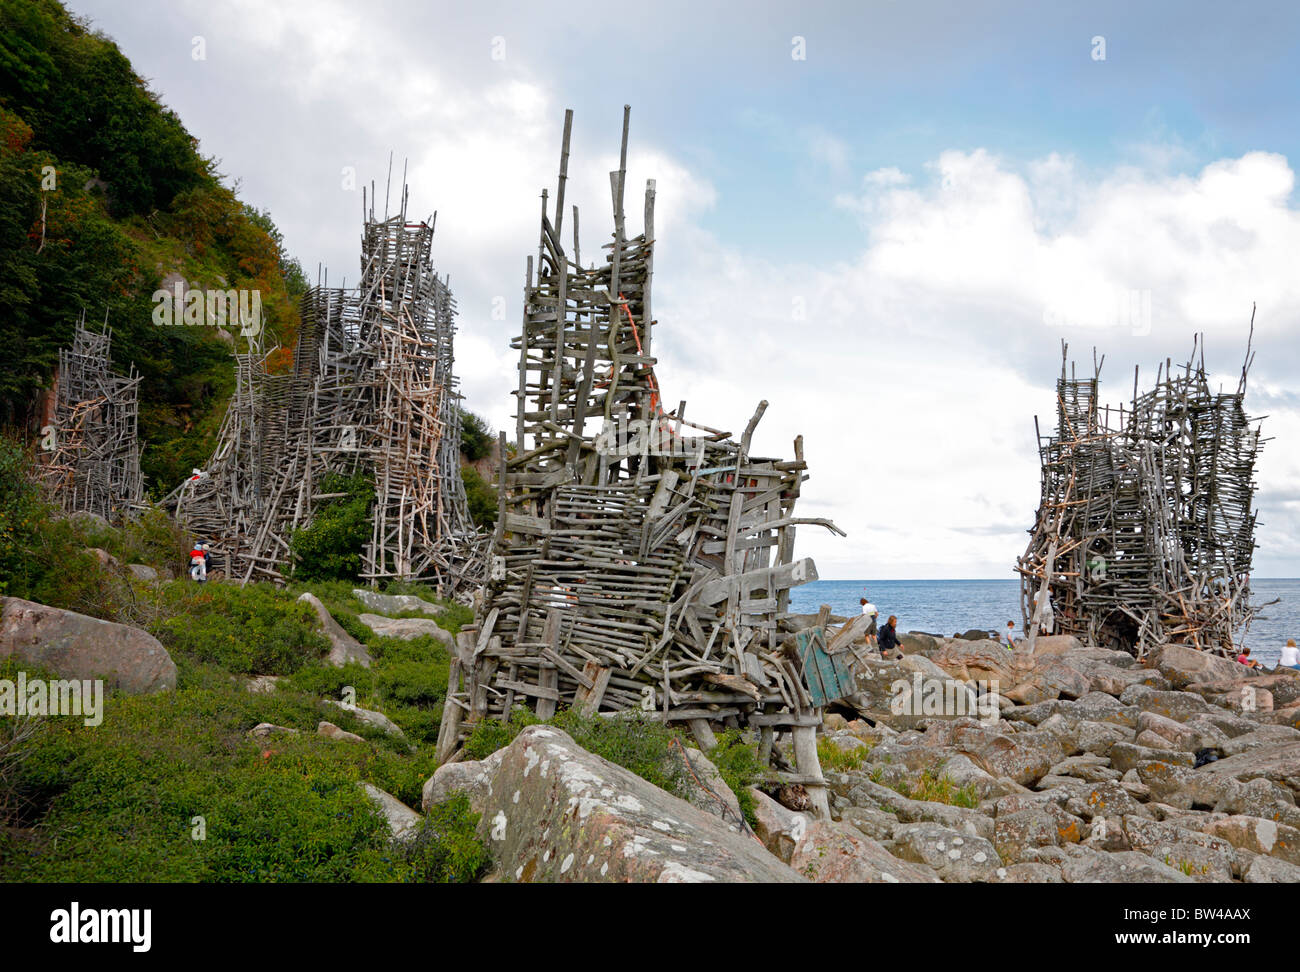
(889, 643)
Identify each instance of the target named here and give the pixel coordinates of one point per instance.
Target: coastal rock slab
(833, 853)
(75, 646)
(552, 812)
(403, 822)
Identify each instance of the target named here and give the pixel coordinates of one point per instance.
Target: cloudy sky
(881, 217)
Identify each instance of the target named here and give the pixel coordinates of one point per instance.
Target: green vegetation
(938, 789)
(475, 437)
(834, 759)
(738, 763)
(103, 193)
(330, 547)
(481, 497)
(124, 799)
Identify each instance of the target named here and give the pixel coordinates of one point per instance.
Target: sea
(947, 607)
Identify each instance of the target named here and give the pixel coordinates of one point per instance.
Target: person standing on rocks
(889, 642)
(1011, 630)
(870, 611)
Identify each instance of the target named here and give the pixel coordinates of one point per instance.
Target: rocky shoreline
(1083, 766)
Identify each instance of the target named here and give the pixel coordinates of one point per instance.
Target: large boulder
(956, 857)
(394, 603)
(836, 853)
(1084, 865)
(1278, 763)
(904, 693)
(403, 822)
(1183, 665)
(407, 628)
(75, 646)
(550, 811)
(343, 647)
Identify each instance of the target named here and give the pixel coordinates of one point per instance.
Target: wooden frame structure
(372, 390)
(1145, 529)
(94, 465)
(635, 566)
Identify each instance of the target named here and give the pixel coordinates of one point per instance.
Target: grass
(937, 789)
(837, 760)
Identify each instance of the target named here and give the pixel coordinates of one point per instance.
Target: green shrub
(475, 437)
(122, 798)
(835, 759)
(489, 735)
(447, 849)
(738, 763)
(254, 630)
(329, 548)
(481, 497)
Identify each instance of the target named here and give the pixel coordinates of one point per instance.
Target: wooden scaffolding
(373, 391)
(1145, 530)
(91, 462)
(641, 561)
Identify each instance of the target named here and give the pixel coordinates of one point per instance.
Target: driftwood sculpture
(1145, 531)
(371, 391)
(91, 459)
(641, 561)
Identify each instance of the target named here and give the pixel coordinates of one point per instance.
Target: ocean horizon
(951, 606)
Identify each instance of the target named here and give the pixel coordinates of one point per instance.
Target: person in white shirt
(869, 610)
(1290, 656)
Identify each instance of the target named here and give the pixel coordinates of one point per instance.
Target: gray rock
(1027, 873)
(1183, 665)
(551, 812)
(956, 857)
(407, 628)
(1086, 866)
(394, 603)
(343, 647)
(403, 822)
(1126, 756)
(331, 731)
(142, 572)
(75, 646)
(1045, 825)
(376, 720)
(705, 788)
(835, 853)
(1264, 869)
(264, 729)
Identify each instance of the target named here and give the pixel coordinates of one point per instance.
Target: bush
(122, 797)
(329, 548)
(475, 437)
(834, 759)
(939, 789)
(251, 630)
(480, 496)
(738, 763)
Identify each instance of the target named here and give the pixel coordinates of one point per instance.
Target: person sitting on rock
(889, 643)
(1245, 659)
(1290, 656)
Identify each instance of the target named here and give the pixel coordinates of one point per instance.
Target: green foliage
(447, 849)
(834, 759)
(481, 497)
(132, 201)
(254, 629)
(489, 735)
(329, 548)
(939, 789)
(122, 797)
(475, 437)
(22, 516)
(738, 763)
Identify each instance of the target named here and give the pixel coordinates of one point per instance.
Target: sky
(883, 218)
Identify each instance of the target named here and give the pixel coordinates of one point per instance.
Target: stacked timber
(1145, 529)
(641, 561)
